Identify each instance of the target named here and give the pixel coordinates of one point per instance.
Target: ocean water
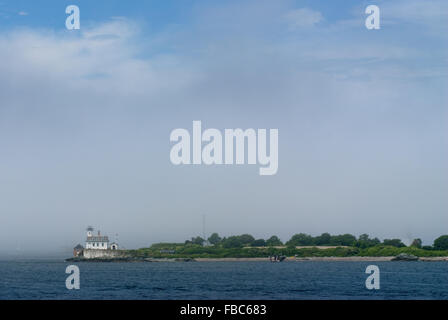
(223, 280)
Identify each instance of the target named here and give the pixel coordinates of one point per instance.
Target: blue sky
(85, 119)
(156, 13)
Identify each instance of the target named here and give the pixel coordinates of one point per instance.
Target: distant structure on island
(77, 251)
(94, 242)
(97, 242)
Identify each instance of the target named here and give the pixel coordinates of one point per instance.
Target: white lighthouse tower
(89, 231)
(97, 242)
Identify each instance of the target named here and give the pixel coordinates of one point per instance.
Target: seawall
(103, 254)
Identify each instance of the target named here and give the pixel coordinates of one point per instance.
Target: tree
(232, 242)
(274, 241)
(343, 240)
(300, 239)
(441, 243)
(214, 239)
(417, 243)
(258, 243)
(394, 243)
(364, 241)
(246, 239)
(323, 240)
(364, 237)
(197, 240)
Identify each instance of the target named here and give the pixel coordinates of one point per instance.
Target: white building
(114, 246)
(97, 242)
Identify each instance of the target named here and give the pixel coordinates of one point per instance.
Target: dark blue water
(224, 280)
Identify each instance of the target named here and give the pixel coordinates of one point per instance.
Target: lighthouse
(97, 242)
(89, 231)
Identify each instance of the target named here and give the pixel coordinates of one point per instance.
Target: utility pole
(203, 229)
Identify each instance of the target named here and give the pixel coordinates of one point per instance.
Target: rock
(405, 257)
(184, 260)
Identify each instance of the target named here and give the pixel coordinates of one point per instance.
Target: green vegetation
(300, 245)
(417, 243)
(441, 243)
(273, 241)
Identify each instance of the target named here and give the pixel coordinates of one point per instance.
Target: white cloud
(99, 59)
(304, 17)
(22, 13)
(416, 11)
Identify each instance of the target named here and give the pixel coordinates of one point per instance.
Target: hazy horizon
(86, 117)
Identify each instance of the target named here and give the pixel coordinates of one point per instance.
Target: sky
(86, 117)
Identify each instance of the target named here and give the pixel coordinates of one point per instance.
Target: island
(301, 247)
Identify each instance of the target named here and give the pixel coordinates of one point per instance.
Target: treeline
(244, 240)
(301, 239)
(181, 250)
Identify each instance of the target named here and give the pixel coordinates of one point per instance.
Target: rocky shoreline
(290, 259)
(126, 259)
